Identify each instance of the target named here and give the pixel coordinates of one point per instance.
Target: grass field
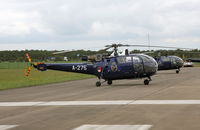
(15, 78)
(13, 75)
(196, 64)
(13, 65)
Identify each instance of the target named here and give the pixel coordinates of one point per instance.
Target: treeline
(41, 55)
(44, 55)
(19, 56)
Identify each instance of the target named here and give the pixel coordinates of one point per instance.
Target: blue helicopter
(169, 63)
(108, 68)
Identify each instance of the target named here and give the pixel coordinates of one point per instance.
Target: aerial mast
(148, 41)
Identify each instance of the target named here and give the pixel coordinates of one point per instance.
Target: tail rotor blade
(29, 68)
(28, 57)
(28, 71)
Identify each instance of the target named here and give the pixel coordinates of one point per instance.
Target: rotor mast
(115, 50)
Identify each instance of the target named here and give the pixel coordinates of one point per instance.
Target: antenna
(148, 42)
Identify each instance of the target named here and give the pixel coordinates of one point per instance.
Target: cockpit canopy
(148, 63)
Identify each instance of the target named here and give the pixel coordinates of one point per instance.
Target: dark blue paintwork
(68, 67)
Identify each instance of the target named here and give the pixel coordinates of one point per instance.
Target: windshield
(148, 59)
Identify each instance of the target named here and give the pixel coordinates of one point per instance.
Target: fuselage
(128, 67)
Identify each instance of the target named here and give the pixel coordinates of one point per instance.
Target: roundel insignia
(99, 69)
(114, 67)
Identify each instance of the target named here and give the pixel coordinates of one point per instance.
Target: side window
(128, 59)
(136, 59)
(173, 60)
(123, 59)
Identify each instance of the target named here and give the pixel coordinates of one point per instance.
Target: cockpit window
(147, 59)
(124, 59)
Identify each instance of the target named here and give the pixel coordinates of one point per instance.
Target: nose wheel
(177, 71)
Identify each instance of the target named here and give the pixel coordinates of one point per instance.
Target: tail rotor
(38, 66)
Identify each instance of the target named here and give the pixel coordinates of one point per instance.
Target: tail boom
(68, 67)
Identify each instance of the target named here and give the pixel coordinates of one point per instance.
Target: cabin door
(138, 68)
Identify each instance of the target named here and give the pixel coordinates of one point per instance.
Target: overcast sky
(90, 24)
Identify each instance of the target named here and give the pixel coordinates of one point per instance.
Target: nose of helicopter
(150, 66)
(179, 62)
(155, 68)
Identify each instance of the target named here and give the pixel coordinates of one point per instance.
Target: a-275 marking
(79, 67)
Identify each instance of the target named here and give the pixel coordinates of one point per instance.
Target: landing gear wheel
(146, 82)
(98, 84)
(177, 71)
(109, 82)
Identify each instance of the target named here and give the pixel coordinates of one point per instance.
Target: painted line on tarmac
(6, 127)
(112, 102)
(166, 102)
(114, 127)
(13, 104)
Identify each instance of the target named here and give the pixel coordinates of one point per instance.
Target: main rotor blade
(60, 52)
(157, 47)
(107, 48)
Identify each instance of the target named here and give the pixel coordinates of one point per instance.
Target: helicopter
(108, 68)
(169, 63)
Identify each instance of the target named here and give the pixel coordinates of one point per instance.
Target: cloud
(24, 22)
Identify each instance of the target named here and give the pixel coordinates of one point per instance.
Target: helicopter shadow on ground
(164, 73)
(128, 85)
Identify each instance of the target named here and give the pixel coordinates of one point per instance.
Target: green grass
(196, 64)
(13, 65)
(15, 78)
(12, 75)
